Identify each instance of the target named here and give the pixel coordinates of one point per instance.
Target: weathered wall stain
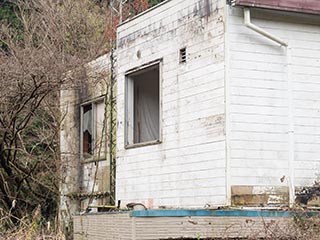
(79, 183)
(308, 196)
(193, 21)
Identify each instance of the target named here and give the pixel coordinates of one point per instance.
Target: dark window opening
(87, 130)
(93, 134)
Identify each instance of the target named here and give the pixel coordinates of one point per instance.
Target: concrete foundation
(178, 224)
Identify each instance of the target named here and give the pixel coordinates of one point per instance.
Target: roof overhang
(302, 6)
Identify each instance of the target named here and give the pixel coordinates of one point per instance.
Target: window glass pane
(99, 145)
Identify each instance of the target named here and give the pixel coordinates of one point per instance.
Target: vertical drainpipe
(227, 106)
(291, 126)
(247, 22)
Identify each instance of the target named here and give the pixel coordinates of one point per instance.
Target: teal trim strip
(221, 213)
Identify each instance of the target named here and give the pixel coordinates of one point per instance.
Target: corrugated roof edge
(300, 6)
(144, 12)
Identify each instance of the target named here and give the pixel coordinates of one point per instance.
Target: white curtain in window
(87, 122)
(146, 107)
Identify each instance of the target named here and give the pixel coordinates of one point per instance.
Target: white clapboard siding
(188, 168)
(259, 111)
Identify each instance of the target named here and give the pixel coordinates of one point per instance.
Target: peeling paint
(259, 195)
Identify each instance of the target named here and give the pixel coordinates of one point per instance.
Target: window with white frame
(93, 130)
(143, 105)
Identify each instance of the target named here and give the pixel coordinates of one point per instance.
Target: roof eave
(301, 6)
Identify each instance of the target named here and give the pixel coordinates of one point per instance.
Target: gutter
(227, 106)
(247, 23)
(295, 6)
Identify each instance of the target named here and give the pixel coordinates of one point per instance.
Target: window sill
(136, 145)
(92, 160)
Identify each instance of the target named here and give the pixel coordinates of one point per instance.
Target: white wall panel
(259, 99)
(188, 168)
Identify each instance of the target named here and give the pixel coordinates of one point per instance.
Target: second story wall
(183, 42)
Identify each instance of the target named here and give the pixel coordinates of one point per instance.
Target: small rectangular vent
(183, 55)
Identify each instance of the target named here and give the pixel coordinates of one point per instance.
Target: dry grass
(297, 228)
(28, 228)
(29, 234)
(31, 231)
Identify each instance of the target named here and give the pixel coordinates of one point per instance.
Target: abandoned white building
(218, 105)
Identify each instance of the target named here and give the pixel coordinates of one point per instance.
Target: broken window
(87, 134)
(92, 130)
(142, 106)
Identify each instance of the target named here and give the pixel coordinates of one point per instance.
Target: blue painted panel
(219, 213)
